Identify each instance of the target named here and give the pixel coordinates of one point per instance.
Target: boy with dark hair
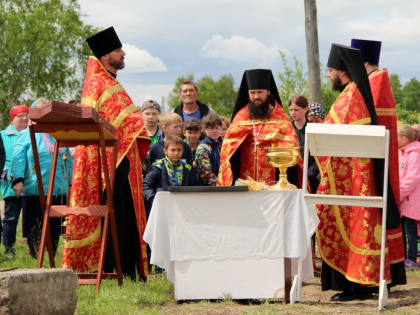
(192, 133)
(168, 171)
(207, 156)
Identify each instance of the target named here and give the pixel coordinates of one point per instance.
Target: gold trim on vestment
(123, 115)
(96, 104)
(340, 223)
(230, 140)
(394, 236)
(260, 121)
(108, 93)
(344, 273)
(386, 111)
(92, 238)
(276, 135)
(363, 121)
(334, 116)
(129, 146)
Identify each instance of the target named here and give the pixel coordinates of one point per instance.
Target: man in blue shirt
(190, 106)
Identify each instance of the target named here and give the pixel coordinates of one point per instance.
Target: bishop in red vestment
(258, 122)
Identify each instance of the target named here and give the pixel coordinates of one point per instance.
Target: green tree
(43, 51)
(406, 116)
(396, 88)
(411, 95)
(293, 79)
(219, 94)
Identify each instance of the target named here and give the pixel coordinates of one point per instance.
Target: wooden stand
(72, 125)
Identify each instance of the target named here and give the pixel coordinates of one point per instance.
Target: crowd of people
(193, 145)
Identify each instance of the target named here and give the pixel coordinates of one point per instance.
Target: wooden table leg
(287, 279)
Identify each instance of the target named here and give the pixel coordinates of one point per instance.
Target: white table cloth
(230, 226)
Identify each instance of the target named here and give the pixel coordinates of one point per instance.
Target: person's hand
(18, 188)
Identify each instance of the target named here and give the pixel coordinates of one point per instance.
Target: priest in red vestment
(102, 91)
(385, 108)
(258, 122)
(349, 237)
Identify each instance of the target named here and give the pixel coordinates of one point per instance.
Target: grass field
(156, 296)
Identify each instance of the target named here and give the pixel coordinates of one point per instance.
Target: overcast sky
(168, 38)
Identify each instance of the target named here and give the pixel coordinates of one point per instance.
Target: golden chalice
(283, 158)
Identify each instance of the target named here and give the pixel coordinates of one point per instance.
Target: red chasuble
(254, 136)
(108, 97)
(349, 238)
(387, 116)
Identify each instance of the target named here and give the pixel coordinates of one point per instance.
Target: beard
(119, 64)
(260, 111)
(337, 85)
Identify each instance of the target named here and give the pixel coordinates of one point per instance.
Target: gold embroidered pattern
(123, 114)
(386, 111)
(92, 238)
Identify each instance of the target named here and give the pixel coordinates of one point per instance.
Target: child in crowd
(207, 156)
(192, 133)
(316, 113)
(409, 159)
(171, 124)
(299, 108)
(150, 111)
(170, 170)
(225, 126)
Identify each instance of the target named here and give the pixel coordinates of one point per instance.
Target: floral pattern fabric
(254, 137)
(387, 116)
(108, 97)
(349, 238)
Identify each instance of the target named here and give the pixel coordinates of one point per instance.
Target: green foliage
(131, 298)
(293, 79)
(411, 95)
(396, 88)
(43, 51)
(407, 116)
(219, 94)
(407, 98)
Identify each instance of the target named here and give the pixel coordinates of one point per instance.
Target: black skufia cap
(104, 42)
(255, 79)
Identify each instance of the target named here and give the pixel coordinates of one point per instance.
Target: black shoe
(344, 296)
(350, 296)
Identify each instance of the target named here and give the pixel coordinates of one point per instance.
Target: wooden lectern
(73, 125)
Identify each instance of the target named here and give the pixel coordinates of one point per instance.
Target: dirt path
(402, 300)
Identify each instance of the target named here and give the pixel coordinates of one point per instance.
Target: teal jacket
(23, 164)
(9, 137)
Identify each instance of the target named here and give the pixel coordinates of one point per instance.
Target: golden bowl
(283, 158)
